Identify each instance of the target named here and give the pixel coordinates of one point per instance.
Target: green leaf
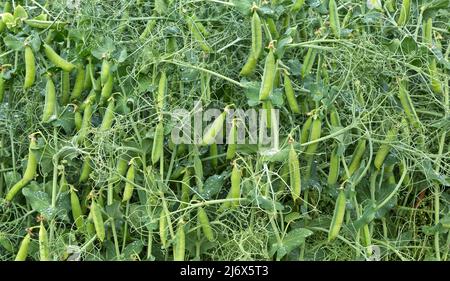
(213, 185)
(39, 200)
(20, 13)
(294, 239)
(269, 204)
(277, 97)
(243, 6)
(13, 42)
(132, 250)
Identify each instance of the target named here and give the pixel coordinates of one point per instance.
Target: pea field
(352, 96)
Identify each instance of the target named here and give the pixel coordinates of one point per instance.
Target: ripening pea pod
(200, 26)
(129, 184)
(335, 164)
(162, 92)
(335, 120)
(356, 158)
(203, 221)
(390, 5)
(30, 68)
(272, 28)
(97, 218)
(257, 39)
(44, 251)
(148, 28)
(405, 11)
(338, 216)
(427, 31)
(385, 148)
(2, 86)
(305, 130)
(314, 134)
(185, 188)
(268, 78)
(435, 82)
(77, 213)
(267, 106)
(107, 89)
(294, 172)
(78, 119)
(215, 128)
(250, 66)
(198, 169)
(108, 117)
(213, 154)
(163, 229)
(79, 83)
(86, 122)
(158, 143)
(407, 104)
(290, 94)
(105, 71)
(232, 139)
(180, 243)
(88, 75)
(235, 191)
(297, 5)
(30, 171)
(86, 170)
(23, 249)
(56, 59)
(389, 174)
(334, 19)
(49, 113)
(308, 62)
(198, 36)
(65, 87)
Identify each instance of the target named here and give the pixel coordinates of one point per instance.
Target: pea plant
(354, 96)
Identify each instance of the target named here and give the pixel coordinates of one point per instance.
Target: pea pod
(163, 229)
(185, 188)
(334, 118)
(89, 74)
(30, 68)
(356, 158)
(305, 130)
(268, 76)
(193, 27)
(203, 221)
(290, 95)
(2, 87)
(56, 59)
(407, 104)
(79, 83)
(272, 28)
(335, 164)
(162, 91)
(86, 170)
(107, 89)
(231, 149)
(315, 133)
(298, 4)
(294, 172)
(23, 249)
(338, 216)
(215, 128)
(256, 35)
(198, 169)
(97, 218)
(30, 171)
(44, 254)
(129, 185)
(77, 213)
(384, 149)
(78, 119)
(158, 143)
(250, 66)
(308, 62)
(108, 117)
(65, 87)
(49, 113)
(334, 19)
(180, 244)
(404, 13)
(427, 30)
(213, 154)
(436, 84)
(235, 191)
(86, 122)
(44, 24)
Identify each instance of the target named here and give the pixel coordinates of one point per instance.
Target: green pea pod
(185, 188)
(180, 244)
(407, 104)
(334, 118)
(436, 84)
(404, 13)
(213, 154)
(193, 27)
(77, 213)
(334, 19)
(56, 59)
(108, 117)
(97, 218)
(198, 169)
(272, 28)
(86, 170)
(298, 4)
(356, 158)
(427, 30)
(333, 173)
(105, 71)
(315, 133)
(30, 68)
(158, 143)
(44, 253)
(231, 149)
(163, 229)
(2, 87)
(256, 35)
(79, 83)
(107, 89)
(23, 249)
(203, 221)
(162, 91)
(49, 113)
(290, 95)
(235, 191)
(65, 87)
(384, 149)
(44, 24)
(78, 118)
(294, 172)
(305, 130)
(215, 128)
(268, 76)
(129, 187)
(308, 62)
(30, 171)
(89, 74)
(250, 66)
(338, 216)
(86, 122)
